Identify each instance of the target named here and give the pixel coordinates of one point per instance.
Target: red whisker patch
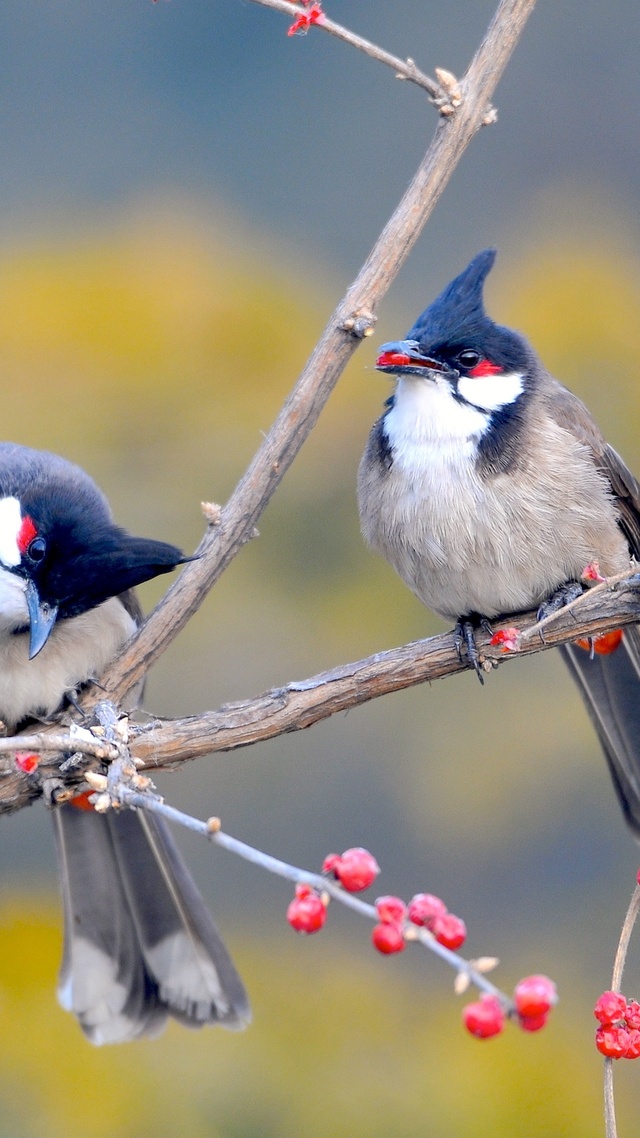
(485, 367)
(26, 534)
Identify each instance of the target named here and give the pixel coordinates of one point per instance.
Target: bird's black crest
(457, 320)
(460, 305)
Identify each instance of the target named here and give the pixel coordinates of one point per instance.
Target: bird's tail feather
(139, 942)
(610, 687)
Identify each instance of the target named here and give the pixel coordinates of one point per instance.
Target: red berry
(632, 1014)
(356, 869)
(506, 639)
(331, 863)
(612, 1041)
(484, 1018)
(26, 761)
(533, 1023)
(609, 1007)
(307, 912)
(391, 910)
(83, 801)
(633, 1046)
(388, 938)
(449, 930)
(424, 908)
(604, 645)
(535, 996)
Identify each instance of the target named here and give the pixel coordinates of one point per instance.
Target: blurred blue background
(185, 193)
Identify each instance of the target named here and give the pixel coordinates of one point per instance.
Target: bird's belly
(465, 544)
(77, 650)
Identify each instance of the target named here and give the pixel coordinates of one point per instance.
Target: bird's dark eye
(468, 358)
(37, 549)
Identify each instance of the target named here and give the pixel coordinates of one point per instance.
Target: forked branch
(353, 318)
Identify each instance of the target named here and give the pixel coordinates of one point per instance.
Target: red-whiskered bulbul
(139, 942)
(489, 488)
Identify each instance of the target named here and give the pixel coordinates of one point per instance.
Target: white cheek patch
(491, 392)
(13, 604)
(10, 523)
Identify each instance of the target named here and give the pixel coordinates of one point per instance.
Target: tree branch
(404, 68)
(352, 319)
(299, 704)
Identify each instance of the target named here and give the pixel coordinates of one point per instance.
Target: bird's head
(455, 344)
(60, 552)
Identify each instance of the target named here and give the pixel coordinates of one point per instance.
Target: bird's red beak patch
(400, 359)
(392, 359)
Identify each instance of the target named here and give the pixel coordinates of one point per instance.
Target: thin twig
(616, 986)
(61, 742)
(155, 805)
(625, 937)
(404, 68)
(353, 318)
(609, 1101)
(608, 585)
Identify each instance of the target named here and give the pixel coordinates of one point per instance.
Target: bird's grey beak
(403, 357)
(42, 618)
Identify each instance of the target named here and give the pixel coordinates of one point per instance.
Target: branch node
(359, 324)
(451, 85)
(96, 781)
(461, 983)
(55, 792)
(490, 117)
(212, 512)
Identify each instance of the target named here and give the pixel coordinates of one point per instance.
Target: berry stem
(609, 1101)
(625, 937)
(616, 986)
(148, 801)
(404, 68)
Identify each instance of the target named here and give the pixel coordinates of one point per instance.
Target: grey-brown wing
(571, 413)
(609, 685)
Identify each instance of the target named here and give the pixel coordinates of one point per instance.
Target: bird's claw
(563, 596)
(464, 633)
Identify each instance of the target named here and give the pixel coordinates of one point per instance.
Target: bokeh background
(184, 194)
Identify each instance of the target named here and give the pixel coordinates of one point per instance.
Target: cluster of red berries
(618, 1036)
(424, 910)
(533, 1000)
(355, 869)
